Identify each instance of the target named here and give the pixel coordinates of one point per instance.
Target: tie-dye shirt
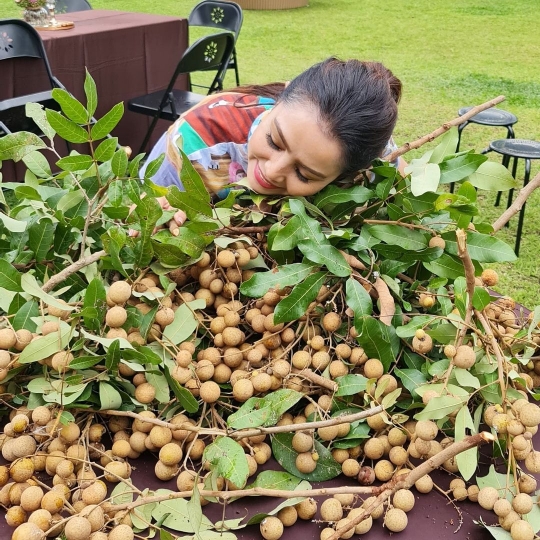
(214, 135)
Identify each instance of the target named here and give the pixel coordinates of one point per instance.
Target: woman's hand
(177, 220)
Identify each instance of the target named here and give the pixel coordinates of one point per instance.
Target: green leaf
(185, 322)
(398, 236)
(439, 407)
(10, 279)
(177, 513)
(119, 163)
(191, 180)
(327, 468)
(40, 238)
(481, 247)
(282, 276)
(447, 145)
(295, 305)
(38, 164)
(68, 130)
(107, 123)
(70, 106)
(75, 163)
(91, 94)
(492, 176)
(96, 297)
(153, 167)
(228, 459)
(47, 345)
(17, 145)
(379, 341)
(67, 202)
(192, 205)
(411, 379)
(466, 461)
(106, 149)
(183, 395)
(498, 532)
(481, 298)
(359, 301)
(23, 318)
(159, 382)
(36, 112)
(287, 236)
(424, 176)
(443, 333)
(11, 224)
(275, 480)
(122, 494)
(498, 481)
(336, 195)
(112, 359)
(350, 385)
(420, 322)
(446, 266)
(466, 378)
(264, 411)
(109, 397)
(148, 211)
(195, 510)
(31, 286)
(460, 167)
(325, 253)
(113, 242)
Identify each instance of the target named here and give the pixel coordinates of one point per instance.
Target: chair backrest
(67, 6)
(217, 14)
(18, 39)
(207, 53)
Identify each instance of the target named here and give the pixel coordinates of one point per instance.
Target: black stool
(517, 149)
(490, 117)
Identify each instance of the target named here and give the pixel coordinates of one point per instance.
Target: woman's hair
(357, 104)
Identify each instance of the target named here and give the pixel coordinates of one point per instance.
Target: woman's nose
(276, 170)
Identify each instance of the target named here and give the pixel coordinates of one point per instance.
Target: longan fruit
(507, 521)
(320, 360)
(165, 472)
(204, 370)
(331, 322)
(116, 317)
(186, 480)
(288, 516)
(384, 470)
(522, 503)
(422, 345)
(262, 382)
(373, 369)
(328, 433)
(31, 498)
(226, 258)
(28, 531)
(465, 357)
(307, 508)
(487, 497)
(489, 277)
(242, 390)
(48, 327)
(24, 337)
(160, 436)
(373, 449)
(119, 292)
(521, 530)
(209, 391)
(271, 527)
(262, 452)
(116, 470)
(424, 484)
(331, 510)
(395, 520)
(403, 499)
(77, 528)
(302, 442)
(350, 467)
(19, 423)
(53, 501)
(437, 241)
(22, 470)
(426, 430)
(145, 393)
(164, 316)
(121, 532)
(8, 338)
(378, 511)
(529, 415)
(305, 462)
(502, 507)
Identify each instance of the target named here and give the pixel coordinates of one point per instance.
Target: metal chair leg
(505, 162)
(522, 211)
(236, 73)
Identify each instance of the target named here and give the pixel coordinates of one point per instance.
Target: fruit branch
(428, 466)
(71, 269)
(316, 379)
(443, 129)
(517, 205)
(463, 254)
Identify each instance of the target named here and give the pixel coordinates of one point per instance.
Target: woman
(326, 125)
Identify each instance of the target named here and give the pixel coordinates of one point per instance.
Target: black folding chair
(20, 40)
(222, 15)
(209, 52)
(68, 6)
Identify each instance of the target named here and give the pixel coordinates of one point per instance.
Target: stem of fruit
(463, 254)
(316, 379)
(496, 350)
(71, 269)
(443, 129)
(517, 205)
(429, 465)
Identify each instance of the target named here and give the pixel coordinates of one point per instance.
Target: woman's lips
(261, 180)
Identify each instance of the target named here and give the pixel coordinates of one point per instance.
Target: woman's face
(290, 154)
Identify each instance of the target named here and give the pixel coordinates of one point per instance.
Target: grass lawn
(447, 54)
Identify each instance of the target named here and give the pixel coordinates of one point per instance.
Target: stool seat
(490, 117)
(520, 148)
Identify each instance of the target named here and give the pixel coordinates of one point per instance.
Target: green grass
(447, 54)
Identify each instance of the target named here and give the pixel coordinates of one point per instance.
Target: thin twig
(71, 269)
(443, 129)
(317, 379)
(463, 254)
(518, 203)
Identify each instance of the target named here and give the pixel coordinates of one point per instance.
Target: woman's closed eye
(274, 146)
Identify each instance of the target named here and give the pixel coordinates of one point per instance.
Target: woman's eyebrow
(284, 141)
